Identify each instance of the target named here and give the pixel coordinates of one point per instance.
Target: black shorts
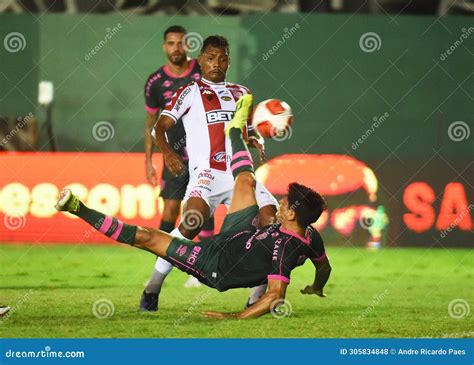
(174, 187)
(201, 260)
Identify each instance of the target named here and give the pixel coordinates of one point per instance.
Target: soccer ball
(272, 118)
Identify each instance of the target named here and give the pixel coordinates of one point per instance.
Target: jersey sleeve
(180, 103)
(153, 99)
(282, 262)
(317, 250)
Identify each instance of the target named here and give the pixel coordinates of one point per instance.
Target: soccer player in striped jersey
(241, 255)
(206, 107)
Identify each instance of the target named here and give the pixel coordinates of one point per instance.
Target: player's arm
(172, 160)
(323, 271)
(150, 168)
(276, 290)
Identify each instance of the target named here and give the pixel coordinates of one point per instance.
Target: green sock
(241, 157)
(111, 227)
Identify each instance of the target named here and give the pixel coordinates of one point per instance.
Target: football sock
(157, 277)
(241, 158)
(257, 292)
(110, 226)
(207, 229)
(162, 269)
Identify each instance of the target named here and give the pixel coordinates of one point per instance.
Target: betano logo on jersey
(219, 116)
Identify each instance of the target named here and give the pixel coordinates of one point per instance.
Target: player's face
(282, 210)
(214, 63)
(175, 48)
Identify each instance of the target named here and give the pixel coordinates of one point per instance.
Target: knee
(189, 231)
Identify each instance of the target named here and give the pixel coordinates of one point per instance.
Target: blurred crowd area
(235, 7)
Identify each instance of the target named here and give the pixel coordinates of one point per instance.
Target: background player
(159, 88)
(206, 106)
(241, 255)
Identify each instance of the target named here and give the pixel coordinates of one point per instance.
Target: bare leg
(195, 213)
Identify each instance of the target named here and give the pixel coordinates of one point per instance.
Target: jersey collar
(306, 239)
(223, 83)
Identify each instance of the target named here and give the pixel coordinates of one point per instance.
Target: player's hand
(311, 290)
(254, 142)
(151, 173)
(174, 163)
(218, 315)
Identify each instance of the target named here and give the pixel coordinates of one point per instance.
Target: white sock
(161, 271)
(257, 292)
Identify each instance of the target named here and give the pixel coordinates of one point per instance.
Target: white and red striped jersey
(205, 109)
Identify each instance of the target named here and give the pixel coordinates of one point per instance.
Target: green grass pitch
(389, 293)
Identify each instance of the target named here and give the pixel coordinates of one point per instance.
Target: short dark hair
(306, 203)
(217, 41)
(174, 29)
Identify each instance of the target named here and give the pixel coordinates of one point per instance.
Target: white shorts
(217, 187)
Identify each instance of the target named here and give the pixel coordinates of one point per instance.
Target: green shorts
(174, 187)
(201, 260)
(241, 220)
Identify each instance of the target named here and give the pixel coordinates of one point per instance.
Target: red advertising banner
(115, 184)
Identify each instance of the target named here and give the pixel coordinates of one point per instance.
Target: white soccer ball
(272, 118)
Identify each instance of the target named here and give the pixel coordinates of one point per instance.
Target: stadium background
(392, 116)
(337, 91)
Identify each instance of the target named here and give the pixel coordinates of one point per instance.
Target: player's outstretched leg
(241, 163)
(148, 239)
